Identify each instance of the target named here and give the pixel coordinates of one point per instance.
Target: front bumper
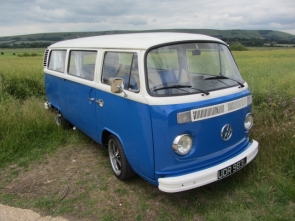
(203, 177)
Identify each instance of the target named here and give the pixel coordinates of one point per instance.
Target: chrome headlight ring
(248, 121)
(182, 144)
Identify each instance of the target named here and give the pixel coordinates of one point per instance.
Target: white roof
(131, 41)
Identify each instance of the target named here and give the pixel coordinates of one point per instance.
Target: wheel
(118, 160)
(61, 121)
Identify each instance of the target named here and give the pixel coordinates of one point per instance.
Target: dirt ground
(8, 213)
(58, 176)
(77, 183)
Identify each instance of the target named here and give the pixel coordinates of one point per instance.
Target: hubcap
(58, 119)
(115, 157)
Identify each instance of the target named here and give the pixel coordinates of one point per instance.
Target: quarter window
(82, 64)
(57, 60)
(121, 65)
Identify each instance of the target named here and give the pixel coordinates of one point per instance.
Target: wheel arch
(105, 136)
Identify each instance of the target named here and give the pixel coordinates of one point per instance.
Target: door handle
(100, 102)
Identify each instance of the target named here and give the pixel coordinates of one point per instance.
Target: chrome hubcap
(58, 119)
(115, 157)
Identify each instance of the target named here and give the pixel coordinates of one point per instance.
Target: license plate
(229, 170)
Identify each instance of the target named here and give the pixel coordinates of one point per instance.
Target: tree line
(258, 42)
(27, 45)
(248, 42)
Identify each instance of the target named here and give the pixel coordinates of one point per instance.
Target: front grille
(220, 109)
(208, 112)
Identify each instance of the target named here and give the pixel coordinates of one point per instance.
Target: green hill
(267, 36)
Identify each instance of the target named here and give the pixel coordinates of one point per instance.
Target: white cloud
(37, 16)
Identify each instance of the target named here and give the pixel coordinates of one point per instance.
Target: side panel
(130, 121)
(81, 107)
(55, 88)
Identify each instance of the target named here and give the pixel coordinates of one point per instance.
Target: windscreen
(191, 68)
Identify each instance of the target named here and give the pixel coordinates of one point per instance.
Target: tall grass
(27, 130)
(271, 76)
(21, 77)
(268, 71)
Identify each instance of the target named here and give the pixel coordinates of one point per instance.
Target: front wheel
(120, 166)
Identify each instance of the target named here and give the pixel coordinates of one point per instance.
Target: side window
(122, 65)
(57, 60)
(82, 64)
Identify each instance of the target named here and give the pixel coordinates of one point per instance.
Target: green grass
(27, 131)
(264, 190)
(267, 71)
(20, 51)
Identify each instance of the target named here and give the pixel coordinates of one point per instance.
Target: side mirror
(117, 86)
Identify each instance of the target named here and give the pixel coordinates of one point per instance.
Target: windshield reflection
(191, 68)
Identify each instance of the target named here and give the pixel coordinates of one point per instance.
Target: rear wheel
(61, 121)
(118, 160)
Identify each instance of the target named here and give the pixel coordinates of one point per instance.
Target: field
(63, 172)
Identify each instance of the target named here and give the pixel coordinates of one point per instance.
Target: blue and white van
(170, 107)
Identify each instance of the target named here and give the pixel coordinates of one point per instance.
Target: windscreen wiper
(224, 77)
(173, 86)
(179, 86)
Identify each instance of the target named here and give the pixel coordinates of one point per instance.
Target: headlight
(182, 144)
(248, 121)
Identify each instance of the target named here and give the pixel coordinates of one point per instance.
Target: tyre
(118, 160)
(61, 121)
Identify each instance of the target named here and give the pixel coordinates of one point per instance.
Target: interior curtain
(58, 60)
(78, 62)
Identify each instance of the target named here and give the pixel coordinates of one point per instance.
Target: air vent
(45, 58)
(238, 104)
(216, 110)
(207, 112)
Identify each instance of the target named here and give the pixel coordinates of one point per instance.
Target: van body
(170, 107)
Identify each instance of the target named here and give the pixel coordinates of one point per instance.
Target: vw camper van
(170, 107)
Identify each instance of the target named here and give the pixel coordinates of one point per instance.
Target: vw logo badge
(226, 132)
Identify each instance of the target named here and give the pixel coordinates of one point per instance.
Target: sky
(18, 17)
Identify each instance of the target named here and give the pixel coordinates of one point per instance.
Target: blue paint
(208, 147)
(130, 121)
(55, 89)
(127, 119)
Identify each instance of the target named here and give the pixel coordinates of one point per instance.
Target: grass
(264, 190)
(26, 130)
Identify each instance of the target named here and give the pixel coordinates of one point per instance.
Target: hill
(230, 36)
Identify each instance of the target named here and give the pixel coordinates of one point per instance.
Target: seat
(168, 77)
(108, 73)
(129, 86)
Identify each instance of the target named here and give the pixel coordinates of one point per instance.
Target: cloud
(36, 16)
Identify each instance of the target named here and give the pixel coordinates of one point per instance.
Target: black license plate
(229, 170)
